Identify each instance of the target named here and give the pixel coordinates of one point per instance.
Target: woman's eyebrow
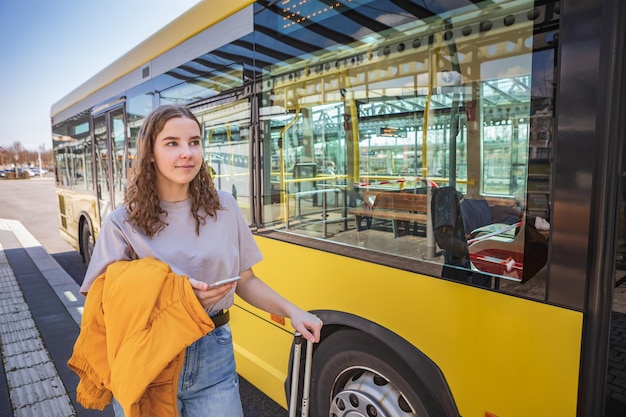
(173, 137)
(170, 138)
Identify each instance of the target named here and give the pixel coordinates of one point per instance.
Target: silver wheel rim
(365, 393)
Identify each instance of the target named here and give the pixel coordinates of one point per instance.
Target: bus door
(110, 139)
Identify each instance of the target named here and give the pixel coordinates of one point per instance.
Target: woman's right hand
(208, 297)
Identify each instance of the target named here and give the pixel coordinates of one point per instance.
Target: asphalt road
(34, 203)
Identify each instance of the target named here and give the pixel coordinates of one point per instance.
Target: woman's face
(177, 156)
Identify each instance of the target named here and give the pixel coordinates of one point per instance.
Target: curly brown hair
(141, 198)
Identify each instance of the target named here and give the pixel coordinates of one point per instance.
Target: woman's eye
(195, 142)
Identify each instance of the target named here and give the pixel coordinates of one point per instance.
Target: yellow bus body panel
(506, 355)
(71, 205)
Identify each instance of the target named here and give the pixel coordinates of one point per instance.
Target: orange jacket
(138, 318)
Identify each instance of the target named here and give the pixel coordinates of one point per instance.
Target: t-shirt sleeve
(111, 246)
(249, 252)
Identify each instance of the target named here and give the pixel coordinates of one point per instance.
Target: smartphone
(224, 281)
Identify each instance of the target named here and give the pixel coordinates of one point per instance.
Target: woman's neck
(172, 195)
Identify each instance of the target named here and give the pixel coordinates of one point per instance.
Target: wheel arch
(419, 364)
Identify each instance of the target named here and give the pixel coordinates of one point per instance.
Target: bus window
(226, 130)
(138, 107)
(72, 145)
(117, 128)
(421, 109)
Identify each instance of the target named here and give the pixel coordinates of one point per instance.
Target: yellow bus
(440, 181)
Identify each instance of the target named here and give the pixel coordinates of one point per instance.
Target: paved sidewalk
(40, 312)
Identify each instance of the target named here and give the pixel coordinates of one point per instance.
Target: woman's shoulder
(119, 215)
(226, 199)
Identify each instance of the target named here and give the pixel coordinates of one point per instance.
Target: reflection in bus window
(226, 126)
(430, 105)
(118, 142)
(72, 145)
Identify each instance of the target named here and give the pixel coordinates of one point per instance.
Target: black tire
(87, 241)
(356, 375)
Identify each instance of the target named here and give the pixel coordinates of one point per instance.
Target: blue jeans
(208, 384)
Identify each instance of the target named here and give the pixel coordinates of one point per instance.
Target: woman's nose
(185, 151)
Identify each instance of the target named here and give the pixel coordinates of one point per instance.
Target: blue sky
(48, 48)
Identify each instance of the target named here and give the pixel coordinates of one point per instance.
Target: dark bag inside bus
(535, 251)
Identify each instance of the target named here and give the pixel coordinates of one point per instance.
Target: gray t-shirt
(224, 248)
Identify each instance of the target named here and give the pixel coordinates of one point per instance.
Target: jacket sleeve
(89, 358)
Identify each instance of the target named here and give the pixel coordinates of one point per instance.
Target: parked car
(35, 171)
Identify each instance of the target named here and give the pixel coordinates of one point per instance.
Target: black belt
(220, 318)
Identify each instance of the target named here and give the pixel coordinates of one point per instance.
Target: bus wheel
(356, 375)
(87, 241)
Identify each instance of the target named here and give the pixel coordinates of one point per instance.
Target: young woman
(174, 213)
